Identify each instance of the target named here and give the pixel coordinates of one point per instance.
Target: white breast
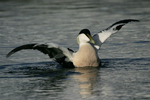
(86, 56)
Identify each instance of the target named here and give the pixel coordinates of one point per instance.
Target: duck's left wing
(53, 50)
(100, 37)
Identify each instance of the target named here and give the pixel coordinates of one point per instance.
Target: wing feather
(60, 54)
(23, 47)
(100, 37)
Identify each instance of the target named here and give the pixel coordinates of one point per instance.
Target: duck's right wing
(100, 37)
(60, 54)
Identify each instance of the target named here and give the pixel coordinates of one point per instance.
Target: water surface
(125, 56)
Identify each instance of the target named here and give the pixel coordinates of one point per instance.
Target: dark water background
(30, 75)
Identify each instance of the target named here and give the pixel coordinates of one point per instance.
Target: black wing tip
(131, 20)
(122, 23)
(26, 46)
(9, 54)
(127, 21)
(136, 20)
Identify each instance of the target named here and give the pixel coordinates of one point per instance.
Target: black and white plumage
(87, 55)
(100, 37)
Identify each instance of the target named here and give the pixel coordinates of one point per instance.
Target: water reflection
(121, 78)
(45, 79)
(86, 80)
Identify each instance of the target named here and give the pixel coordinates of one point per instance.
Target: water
(32, 75)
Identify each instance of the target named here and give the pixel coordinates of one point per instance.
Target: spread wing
(100, 37)
(60, 54)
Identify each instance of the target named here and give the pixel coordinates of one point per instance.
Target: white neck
(82, 38)
(83, 43)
